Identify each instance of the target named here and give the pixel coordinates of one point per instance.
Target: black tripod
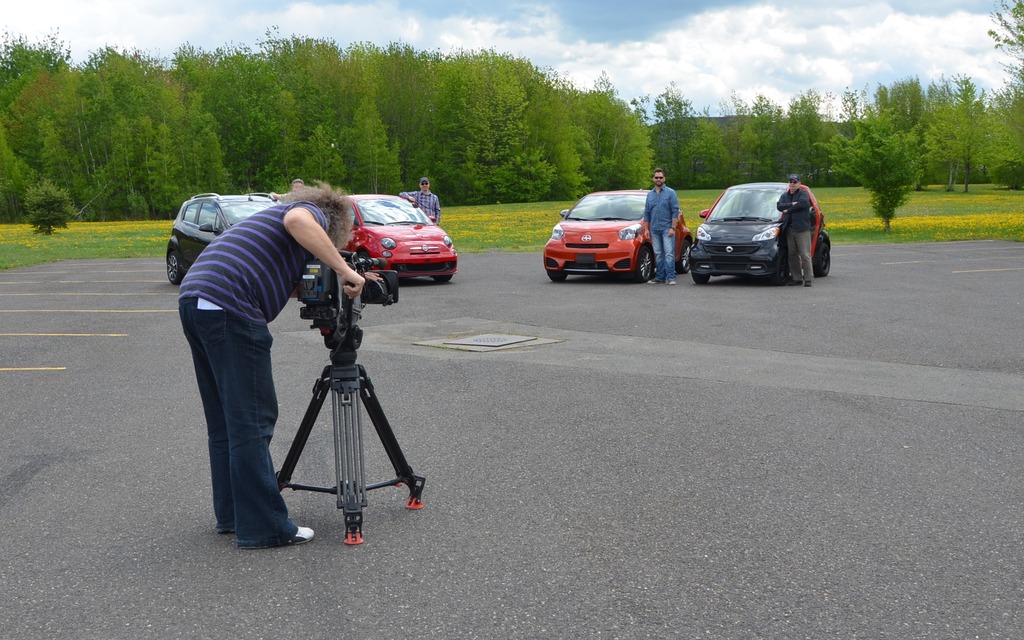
(350, 388)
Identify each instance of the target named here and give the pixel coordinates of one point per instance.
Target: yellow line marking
(69, 335)
(980, 259)
(105, 295)
(83, 282)
(33, 368)
(987, 270)
(88, 311)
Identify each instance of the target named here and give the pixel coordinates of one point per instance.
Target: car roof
(620, 192)
(375, 196)
(216, 196)
(761, 185)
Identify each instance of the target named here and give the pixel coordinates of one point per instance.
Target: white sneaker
(302, 536)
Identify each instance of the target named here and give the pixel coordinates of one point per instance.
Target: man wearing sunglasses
(426, 201)
(661, 211)
(795, 205)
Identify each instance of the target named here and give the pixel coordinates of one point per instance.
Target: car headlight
(702, 234)
(388, 243)
(630, 232)
(557, 233)
(447, 241)
(767, 234)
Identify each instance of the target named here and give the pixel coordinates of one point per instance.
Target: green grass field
(986, 212)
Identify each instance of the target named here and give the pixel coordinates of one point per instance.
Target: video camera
(334, 313)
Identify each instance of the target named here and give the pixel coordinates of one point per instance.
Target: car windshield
(386, 211)
(748, 204)
(235, 212)
(609, 207)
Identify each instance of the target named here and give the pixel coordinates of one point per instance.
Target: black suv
(743, 235)
(201, 219)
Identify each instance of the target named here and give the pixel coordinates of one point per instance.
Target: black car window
(748, 204)
(235, 212)
(208, 214)
(191, 213)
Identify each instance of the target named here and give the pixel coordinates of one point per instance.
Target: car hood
(406, 232)
(739, 231)
(580, 226)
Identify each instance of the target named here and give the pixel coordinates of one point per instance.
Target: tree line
(128, 136)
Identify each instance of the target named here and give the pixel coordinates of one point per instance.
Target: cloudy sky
(709, 49)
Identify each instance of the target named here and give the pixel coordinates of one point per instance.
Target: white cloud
(778, 50)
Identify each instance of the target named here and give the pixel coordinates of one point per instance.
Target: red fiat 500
(390, 228)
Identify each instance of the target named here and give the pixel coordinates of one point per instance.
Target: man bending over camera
(240, 283)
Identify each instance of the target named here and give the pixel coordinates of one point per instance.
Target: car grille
(429, 267)
(576, 245)
(723, 249)
(590, 266)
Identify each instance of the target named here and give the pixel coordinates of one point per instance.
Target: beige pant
(799, 245)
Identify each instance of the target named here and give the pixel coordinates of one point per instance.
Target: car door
(816, 218)
(202, 233)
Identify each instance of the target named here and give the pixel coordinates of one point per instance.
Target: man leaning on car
(795, 204)
(660, 214)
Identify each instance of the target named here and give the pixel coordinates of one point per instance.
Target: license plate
(585, 258)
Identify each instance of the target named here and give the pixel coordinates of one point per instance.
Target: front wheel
(683, 264)
(174, 271)
(446, 278)
(557, 276)
(781, 275)
(644, 270)
(700, 278)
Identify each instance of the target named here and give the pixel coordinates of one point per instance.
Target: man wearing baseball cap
(795, 205)
(425, 200)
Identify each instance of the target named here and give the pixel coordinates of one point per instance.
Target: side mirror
(564, 213)
(704, 213)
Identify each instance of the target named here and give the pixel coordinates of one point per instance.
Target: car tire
(700, 278)
(781, 275)
(446, 278)
(824, 264)
(683, 264)
(644, 269)
(557, 276)
(175, 273)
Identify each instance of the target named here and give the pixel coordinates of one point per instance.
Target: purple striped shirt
(251, 269)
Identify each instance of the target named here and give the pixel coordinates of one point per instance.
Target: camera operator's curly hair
(335, 204)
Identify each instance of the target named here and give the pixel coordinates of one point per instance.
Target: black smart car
(742, 235)
(201, 219)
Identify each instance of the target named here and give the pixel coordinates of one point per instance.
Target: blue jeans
(233, 368)
(664, 255)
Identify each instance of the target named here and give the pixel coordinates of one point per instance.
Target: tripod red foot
(354, 537)
(414, 503)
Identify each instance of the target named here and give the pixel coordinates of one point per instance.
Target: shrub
(49, 207)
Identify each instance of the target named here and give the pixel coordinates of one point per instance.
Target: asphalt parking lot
(732, 460)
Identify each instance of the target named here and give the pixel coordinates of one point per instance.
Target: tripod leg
(348, 454)
(320, 390)
(390, 442)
